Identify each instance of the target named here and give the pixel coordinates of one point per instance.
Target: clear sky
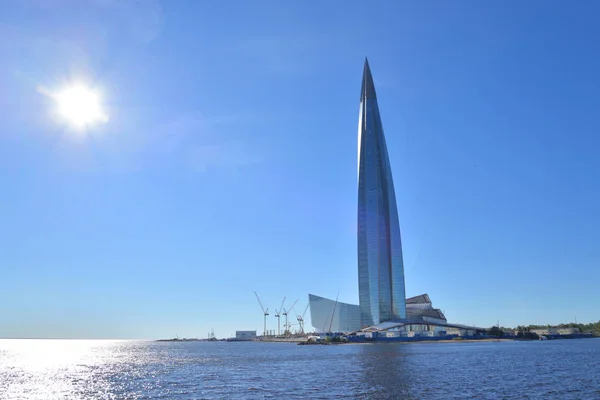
(228, 160)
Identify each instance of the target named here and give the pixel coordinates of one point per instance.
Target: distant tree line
(525, 330)
(522, 332)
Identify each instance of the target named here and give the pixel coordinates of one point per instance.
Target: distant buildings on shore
(555, 331)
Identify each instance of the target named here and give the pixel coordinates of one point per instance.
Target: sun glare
(80, 106)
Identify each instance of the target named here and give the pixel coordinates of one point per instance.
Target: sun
(80, 106)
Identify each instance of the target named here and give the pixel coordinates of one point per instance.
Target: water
(79, 369)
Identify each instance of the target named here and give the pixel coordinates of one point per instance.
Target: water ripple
(78, 369)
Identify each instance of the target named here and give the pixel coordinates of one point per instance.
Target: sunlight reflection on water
(76, 369)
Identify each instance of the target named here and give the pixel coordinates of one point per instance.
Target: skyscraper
(380, 265)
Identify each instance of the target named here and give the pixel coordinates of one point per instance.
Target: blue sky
(228, 163)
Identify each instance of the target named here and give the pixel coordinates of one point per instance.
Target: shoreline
(399, 342)
(462, 340)
(303, 341)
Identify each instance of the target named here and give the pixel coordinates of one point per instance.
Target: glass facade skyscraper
(380, 265)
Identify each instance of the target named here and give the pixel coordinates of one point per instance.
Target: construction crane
(265, 314)
(277, 315)
(286, 327)
(333, 311)
(300, 318)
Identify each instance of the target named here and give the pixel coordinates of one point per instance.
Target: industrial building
(245, 335)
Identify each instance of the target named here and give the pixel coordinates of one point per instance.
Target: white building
(545, 331)
(568, 331)
(245, 335)
(461, 331)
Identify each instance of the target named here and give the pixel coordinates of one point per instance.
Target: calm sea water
(80, 369)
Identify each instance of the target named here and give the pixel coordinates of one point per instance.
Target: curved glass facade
(328, 315)
(380, 265)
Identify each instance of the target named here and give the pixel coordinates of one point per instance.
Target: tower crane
(278, 315)
(333, 311)
(286, 327)
(265, 314)
(300, 318)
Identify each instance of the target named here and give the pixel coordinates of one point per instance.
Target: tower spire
(381, 288)
(368, 87)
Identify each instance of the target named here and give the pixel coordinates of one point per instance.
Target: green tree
(495, 331)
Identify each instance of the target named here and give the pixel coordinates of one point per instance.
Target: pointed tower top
(368, 87)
